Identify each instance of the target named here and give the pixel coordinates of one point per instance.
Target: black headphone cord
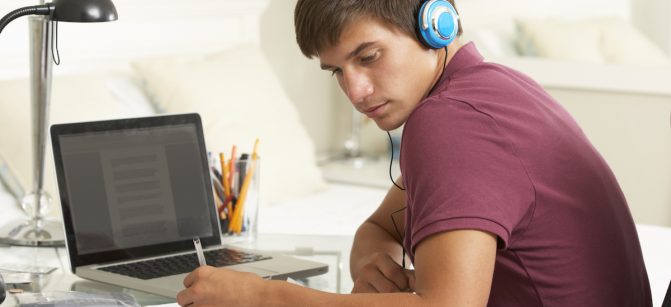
(391, 160)
(391, 143)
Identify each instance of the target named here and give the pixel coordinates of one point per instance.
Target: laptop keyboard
(162, 267)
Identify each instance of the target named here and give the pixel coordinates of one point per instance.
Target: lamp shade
(84, 10)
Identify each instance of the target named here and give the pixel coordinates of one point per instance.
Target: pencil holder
(238, 213)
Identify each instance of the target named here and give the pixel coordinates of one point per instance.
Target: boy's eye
(369, 58)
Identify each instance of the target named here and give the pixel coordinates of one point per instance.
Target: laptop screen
(131, 184)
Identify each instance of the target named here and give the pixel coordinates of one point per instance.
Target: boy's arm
(376, 252)
(453, 268)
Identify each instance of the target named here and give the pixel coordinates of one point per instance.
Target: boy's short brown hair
(319, 23)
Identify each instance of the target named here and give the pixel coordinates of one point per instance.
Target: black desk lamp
(38, 231)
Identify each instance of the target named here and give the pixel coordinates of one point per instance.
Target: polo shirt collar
(467, 56)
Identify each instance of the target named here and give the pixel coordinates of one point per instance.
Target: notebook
(134, 193)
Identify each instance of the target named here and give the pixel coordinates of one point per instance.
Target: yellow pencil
(237, 216)
(256, 148)
(229, 211)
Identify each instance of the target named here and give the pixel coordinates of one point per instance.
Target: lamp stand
(353, 156)
(353, 142)
(38, 230)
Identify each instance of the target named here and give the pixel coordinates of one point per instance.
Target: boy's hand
(383, 275)
(209, 286)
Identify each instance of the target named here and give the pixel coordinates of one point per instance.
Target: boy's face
(384, 72)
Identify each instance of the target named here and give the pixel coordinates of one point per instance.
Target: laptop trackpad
(258, 271)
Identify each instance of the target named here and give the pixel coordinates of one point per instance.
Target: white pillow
(239, 99)
(559, 40)
(598, 40)
(130, 94)
(74, 98)
(491, 43)
(622, 43)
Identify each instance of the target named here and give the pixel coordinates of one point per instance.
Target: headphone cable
(391, 160)
(391, 143)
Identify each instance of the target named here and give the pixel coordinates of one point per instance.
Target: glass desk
(331, 250)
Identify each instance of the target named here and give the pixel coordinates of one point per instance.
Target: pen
(241, 167)
(218, 188)
(224, 175)
(199, 251)
(231, 165)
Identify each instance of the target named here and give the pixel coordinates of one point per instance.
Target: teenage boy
(503, 201)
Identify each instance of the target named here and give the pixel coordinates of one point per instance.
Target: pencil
(256, 148)
(229, 208)
(237, 216)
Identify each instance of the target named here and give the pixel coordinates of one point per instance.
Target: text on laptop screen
(135, 187)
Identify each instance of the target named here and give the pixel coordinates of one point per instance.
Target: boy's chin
(387, 124)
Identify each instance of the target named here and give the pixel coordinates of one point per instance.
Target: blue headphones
(438, 23)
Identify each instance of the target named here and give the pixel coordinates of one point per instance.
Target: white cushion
(622, 43)
(491, 43)
(559, 40)
(239, 99)
(130, 94)
(74, 99)
(598, 40)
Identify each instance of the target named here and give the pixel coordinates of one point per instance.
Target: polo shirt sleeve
(461, 172)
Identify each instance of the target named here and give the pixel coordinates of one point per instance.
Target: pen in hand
(199, 251)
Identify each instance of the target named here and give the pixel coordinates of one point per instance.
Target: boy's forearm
(279, 293)
(370, 239)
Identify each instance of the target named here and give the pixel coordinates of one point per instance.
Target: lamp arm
(45, 9)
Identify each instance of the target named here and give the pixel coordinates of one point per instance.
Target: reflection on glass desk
(332, 250)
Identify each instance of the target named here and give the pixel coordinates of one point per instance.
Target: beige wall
(311, 89)
(653, 17)
(324, 110)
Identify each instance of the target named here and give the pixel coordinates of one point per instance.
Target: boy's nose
(358, 88)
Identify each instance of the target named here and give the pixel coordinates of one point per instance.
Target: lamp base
(366, 171)
(357, 162)
(33, 233)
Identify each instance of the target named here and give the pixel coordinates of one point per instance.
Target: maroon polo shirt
(490, 150)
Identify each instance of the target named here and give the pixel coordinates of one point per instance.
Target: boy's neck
(443, 62)
(452, 50)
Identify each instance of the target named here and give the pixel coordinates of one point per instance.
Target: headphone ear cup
(437, 23)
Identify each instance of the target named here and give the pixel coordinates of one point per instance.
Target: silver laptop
(134, 194)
